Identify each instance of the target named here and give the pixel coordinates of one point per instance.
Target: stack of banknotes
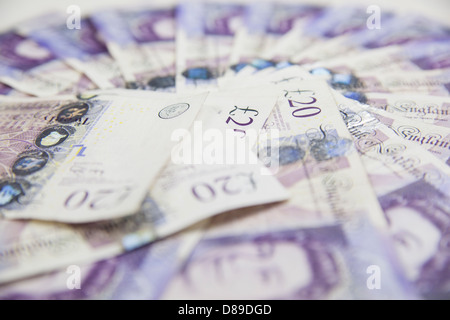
(225, 150)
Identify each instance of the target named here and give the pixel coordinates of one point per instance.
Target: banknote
(142, 41)
(80, 48)
(86, 160)
(204, 40)
(32, 69)
(420, 55)
(426, 109)
(264, 24)
(428, 82)
(272, 76)
(402, 29)
(314, 263)
(428, 132)
(228, 177)
(315, 155)
(291, 43)
(335, 21)
(214, 166)
(318, 155)
(139, 274)
(396, 30)
(434, 138)
(320, 37)
(412, 186)
(6, 90)
(250, 38)
(285, 17)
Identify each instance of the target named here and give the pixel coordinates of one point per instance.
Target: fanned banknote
(427, 109)
(214, 168)
(226, 174)
(435, 139)
(142, 41)
(383, 70)
(321, 36)
(70, 160)
(429, 82)
(412, 186)
(421, 55)
(139, 274)
(31, 68)
(311, 151)
(396, 30)
(264, 23)
(204, 39)
(80, 48)
(314, 263)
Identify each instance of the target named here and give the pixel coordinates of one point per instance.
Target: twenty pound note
(213, 168)
(85, 160)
